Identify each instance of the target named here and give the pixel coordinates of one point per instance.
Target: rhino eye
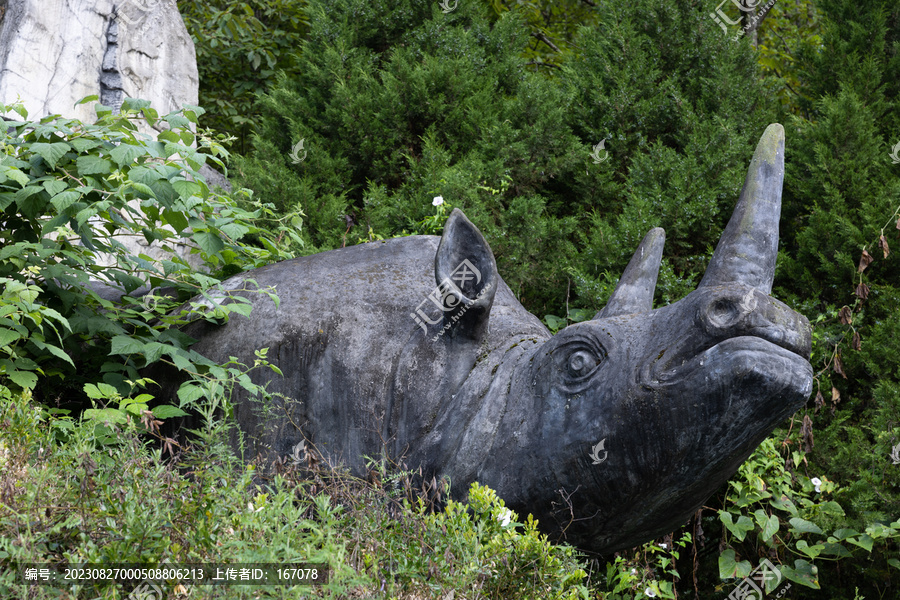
(577, 362)
(581, 363)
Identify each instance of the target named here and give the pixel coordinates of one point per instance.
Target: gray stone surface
(55, 52)
(626, 423)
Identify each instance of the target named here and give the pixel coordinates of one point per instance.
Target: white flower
(650, 593)
(817, 483)
(438, 200)
(505, 516)
(663, 546)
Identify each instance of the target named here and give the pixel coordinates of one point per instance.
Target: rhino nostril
(722, 313)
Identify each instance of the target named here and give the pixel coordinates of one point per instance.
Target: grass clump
(71, 493)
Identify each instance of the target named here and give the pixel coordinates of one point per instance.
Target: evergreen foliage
(397, 104)
(842, 196)
(241, 46)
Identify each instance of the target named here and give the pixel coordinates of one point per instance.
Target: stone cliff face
(55, 52)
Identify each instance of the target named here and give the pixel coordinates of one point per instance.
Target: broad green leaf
(143, 188)
(27, 192)
(234, 230)
(54, 314)
(124, 344)
(176, 219)
(54, 186)
(99, 391)
(863, 541)
(125, 154)
(802, 572)
(168, 136)
(182, 362)
(136, 409)
(834, 549)
(152, 351)
(739, 529)
(6, 198)
(833, 508)
(134, 104)
(64, 200)
(58, 353)
(803, 526)
(15, 174)
(878, 530)
(209, 242)
(105, 415)
(84, 144)
(554, 323)
(188, 138)
(176, 120)
(190, 392)
(770, 528)
(729, 568)
(167, 411)
(727, 564)
(92, 165)
(186, 188)
(240, 308)
(841, 534)
(894, 563)
(23, 379)
(8, 336)
(84, 214)
(51, 153)
(577, 315)
(811, 551)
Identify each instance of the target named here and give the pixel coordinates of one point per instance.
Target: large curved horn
(634, 292)
(749, 245)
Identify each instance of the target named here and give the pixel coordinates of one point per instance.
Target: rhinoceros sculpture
(616, 429)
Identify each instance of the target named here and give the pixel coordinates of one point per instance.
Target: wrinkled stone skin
(679, 396)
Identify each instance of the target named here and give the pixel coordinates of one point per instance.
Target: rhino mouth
(777, 364)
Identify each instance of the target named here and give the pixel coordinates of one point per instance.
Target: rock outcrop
(56, 52)
(53, 53)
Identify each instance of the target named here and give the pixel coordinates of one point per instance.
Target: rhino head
(612, 432)
(615, 430)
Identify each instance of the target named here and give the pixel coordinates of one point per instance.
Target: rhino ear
(466, 274)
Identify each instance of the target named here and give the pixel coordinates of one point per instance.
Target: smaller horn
(634, 292)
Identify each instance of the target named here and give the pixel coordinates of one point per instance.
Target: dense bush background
(499, 108)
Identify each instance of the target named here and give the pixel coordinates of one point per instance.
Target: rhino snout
(740, 310)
